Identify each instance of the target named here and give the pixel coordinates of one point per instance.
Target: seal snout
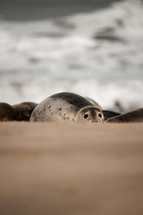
(94, 120)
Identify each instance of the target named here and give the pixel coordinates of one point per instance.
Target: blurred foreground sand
(71, 169)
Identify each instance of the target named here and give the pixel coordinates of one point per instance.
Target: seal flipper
(133, 116)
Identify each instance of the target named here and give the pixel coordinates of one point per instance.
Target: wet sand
(71, 169)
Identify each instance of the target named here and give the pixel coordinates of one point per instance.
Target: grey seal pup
(23, 110)
(108, 114)
(66, 106)
(7, 112)
(17, 112)
(132, 116)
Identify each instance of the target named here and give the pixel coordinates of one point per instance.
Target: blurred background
(90, 47)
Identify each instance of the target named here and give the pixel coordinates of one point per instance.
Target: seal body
(132, 116)
(18, 112)
(7, 112)
(109, 114)
(94, 103)
(23, 110)
(66, 107)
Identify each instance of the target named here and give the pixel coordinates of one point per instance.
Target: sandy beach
(91, 48)
(71, 169)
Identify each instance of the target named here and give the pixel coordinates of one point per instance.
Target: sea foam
(97, 54)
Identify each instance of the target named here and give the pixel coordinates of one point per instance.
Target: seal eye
(100, 115)
(85, 116)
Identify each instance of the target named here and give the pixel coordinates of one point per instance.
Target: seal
(108, 114)
(66, 106)
(23, 110)
(18, 112)
(132, 116)
(7, 112)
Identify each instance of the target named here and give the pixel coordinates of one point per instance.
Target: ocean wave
(96, 54)
(118, 96)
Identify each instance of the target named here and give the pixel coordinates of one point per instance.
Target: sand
(71, 169)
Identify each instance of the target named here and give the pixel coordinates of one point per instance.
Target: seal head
(90, 114)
